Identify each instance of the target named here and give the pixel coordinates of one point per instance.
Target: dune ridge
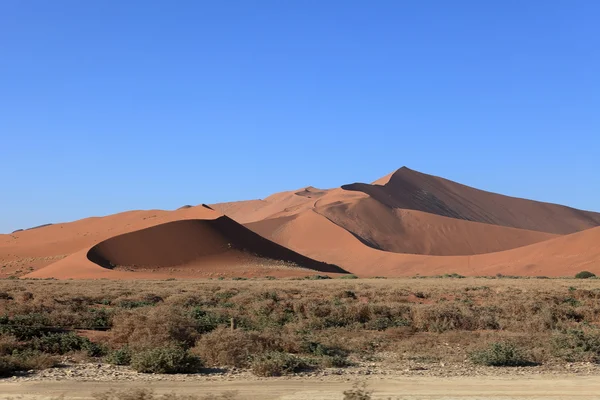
(405, 223)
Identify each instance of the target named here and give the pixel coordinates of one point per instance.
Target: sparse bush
(585, 275)
(25, 361)
(317, 277)
(207, 321)
(444, 317)
(349, 276)
(224, 347)
(8, 344)
(25, 326)
(60, 343)
(577, 345)
(155, 327)
(500, 355)
(277, 364)
(120, 356)
(359, 391)
(130, 304)
(171, 359)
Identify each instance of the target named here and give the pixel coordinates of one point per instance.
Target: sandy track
(506, 388)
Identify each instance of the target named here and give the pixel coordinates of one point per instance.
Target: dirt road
(426, 388)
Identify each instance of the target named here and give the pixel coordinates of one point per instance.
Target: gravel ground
(94, 372)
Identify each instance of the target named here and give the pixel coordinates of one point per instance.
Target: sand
(405, 223)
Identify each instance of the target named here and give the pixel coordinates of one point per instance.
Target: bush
(500, 355)
(207, 321)
(25, 361)
(166, 360)
(120, 356)
(577, 345)
(8, 344)
(276, 363)
(349, 276)
(62, 343)
(224, 347)
(25, 326)
(585, 275)
(358, 392)
(143, 329)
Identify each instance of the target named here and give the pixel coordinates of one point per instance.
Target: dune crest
(405, 223)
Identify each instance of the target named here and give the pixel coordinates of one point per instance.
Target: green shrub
(349, 276)
(25, 326)
(130, 304)
(166, 360)
(585, 275)
(120, 356)
(577, 345)
(453, 275)
(321, 350)
(97, 319)
(62, 343)
(207, 321)
(317, 277)
(276, 363)
(500, 355)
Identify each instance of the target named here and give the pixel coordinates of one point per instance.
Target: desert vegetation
(276, 327)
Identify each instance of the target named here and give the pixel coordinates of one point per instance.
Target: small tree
(585, 275)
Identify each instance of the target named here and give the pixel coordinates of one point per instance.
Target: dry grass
(412, 319)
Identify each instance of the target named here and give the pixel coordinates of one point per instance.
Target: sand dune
(408, 189)
(193, 242)
(415, 232)
(186, 247)
(316, 236)
(405, 223)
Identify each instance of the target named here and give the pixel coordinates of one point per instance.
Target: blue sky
(107, 106)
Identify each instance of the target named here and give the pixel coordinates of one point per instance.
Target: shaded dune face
(416, 232)
(412, 190)
(195, 242)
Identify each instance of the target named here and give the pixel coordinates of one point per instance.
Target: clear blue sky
(107, 106)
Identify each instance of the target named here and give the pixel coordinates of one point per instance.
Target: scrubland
(275, 327)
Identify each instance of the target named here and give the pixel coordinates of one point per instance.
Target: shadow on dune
(192, 242)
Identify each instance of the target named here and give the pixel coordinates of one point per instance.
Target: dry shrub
(152, 327)
(224, 347)
(275, 363)
(8, 344)
(443, 317)
(25, 361)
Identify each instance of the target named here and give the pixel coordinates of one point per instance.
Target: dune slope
(408, 189)
(195, 242)
(316, 236)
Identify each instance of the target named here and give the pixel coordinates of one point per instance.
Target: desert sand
(405, 223)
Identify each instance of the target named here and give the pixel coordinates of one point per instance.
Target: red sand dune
(188, 247)
(415, 232)
(408, 189)
(403, 224)
(316, 236)
(138, 237)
